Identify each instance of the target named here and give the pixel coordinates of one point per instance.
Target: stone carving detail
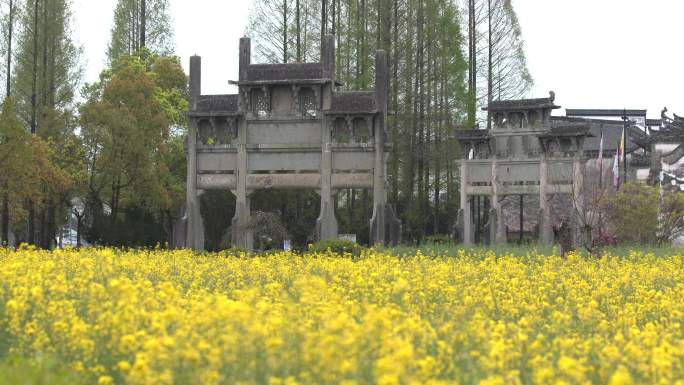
(361, 130)
(295, 98)
(260, 102)
(205, 132)
(516, 120)
(341, 131)
(533, 118)
(216, 131)
(309, 104)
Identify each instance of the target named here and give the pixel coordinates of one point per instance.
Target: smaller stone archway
(524, 154)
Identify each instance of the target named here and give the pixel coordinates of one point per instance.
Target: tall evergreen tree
(135, 159)
(141, 24)
(45, 78)
(427, 94)
(7, 23)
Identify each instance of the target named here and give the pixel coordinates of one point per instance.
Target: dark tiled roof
(353, 101)
(522, 104)
(654, 122)
(280, 72)
(215, 103)
(568, 129)
(467, 135)
(611, 129)
(604, 112)
(675, 155)
(672, 131)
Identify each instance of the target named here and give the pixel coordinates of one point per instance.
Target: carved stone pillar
(497, 225)
(326, 224)
(194, 234)
(578, 198)
(385, 228)
(245, 101)
(464, 213)
(267, 98)
(295, 100)
(241, 234)
(350, 127)
(545, 228)
(369, 127)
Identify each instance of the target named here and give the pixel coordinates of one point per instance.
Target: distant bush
(645, 215)
(233, 252)
(439, 239)
(337, 246)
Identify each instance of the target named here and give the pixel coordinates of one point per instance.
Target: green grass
(16, 370)
(452, 250)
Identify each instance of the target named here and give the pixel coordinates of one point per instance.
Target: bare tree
(584, 206)
(497, 64)
(267, 228)
(269, 23)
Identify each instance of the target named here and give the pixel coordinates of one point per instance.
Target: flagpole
(624, 145)
(601, 160)
(600, 164)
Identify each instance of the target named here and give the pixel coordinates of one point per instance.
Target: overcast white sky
(592, 53)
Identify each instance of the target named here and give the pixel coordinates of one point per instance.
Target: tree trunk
(34, 111)
(4, 239)
(334, 11)
(51, 224)
(143, 24)
(42, 225)
(522, 218)
(284, 31)
(299, 32)
(394, 165)
(5, 219)
(79, 223)
(420, 74)
(10, 32)
(337, 34)
(364, 45)
(357, 79)
(472, 61)
(412, 104)
(437, 151)
(490, 84)
(324, 18)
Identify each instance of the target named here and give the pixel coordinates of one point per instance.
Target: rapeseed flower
(173, 317)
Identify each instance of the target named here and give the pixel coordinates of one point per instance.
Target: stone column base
(241, 234)
(545, 229)
(194, 226)
(457, 228)
(385, 227)
(180, 228)
(463, 232)
(496, 231)
(326, 224)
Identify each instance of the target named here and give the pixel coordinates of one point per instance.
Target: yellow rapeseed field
(171, 317)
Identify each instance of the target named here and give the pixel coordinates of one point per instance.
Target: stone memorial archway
(288, 128)
(524, 153)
